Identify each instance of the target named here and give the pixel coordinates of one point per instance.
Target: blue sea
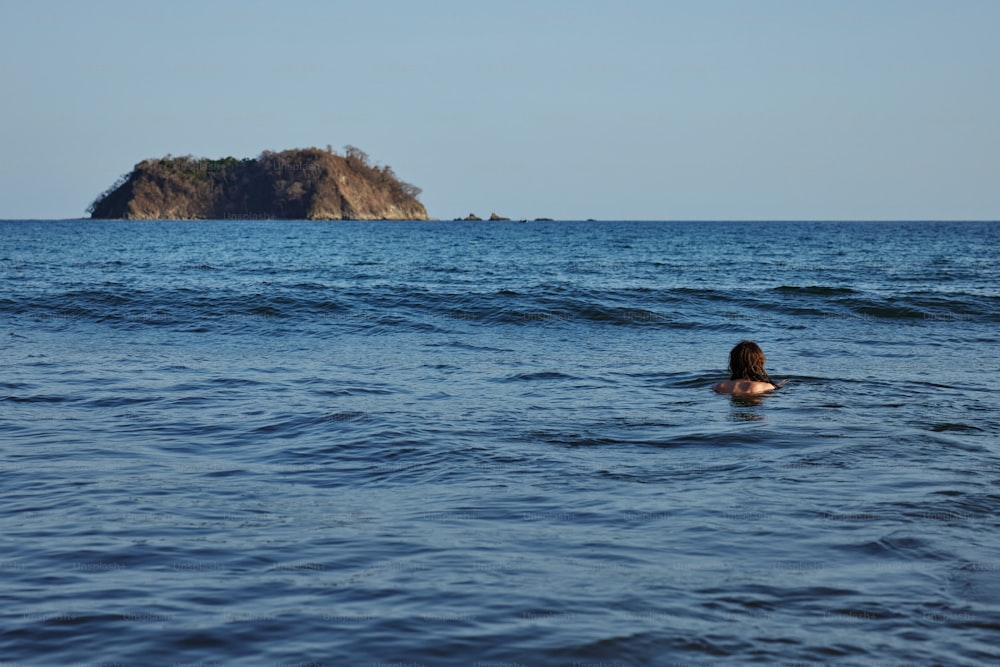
(495, 444)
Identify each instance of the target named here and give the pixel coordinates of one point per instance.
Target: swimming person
(747, 374)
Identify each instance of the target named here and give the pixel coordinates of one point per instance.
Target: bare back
(743, 387)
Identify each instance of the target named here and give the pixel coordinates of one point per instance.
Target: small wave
(236, 382)
(387, 308)
(950, 426)
(467, 346)
(695, 381)
(878, 311)
(903, 547)
(266, 311)
(119, 401)
(354, 391)
(35, 399)
(542, 375)
(572, 439)
(820, 290)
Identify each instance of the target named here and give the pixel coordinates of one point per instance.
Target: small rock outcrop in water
(472, 217)
(301, 184)
(494, 217)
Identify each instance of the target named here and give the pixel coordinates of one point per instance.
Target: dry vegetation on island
(304, 184)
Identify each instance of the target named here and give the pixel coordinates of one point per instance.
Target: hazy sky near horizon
(636, 109)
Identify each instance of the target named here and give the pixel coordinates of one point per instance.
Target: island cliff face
(301, 184)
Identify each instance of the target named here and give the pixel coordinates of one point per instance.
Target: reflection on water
(743, 409)
(743, 406)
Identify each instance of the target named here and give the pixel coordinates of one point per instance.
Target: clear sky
(570, 109)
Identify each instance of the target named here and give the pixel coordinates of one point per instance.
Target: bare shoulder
(743, 387)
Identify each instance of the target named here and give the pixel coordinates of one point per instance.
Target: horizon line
(512, 220)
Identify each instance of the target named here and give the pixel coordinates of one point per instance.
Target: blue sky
(636, 109)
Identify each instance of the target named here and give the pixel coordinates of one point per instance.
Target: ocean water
(495, 444)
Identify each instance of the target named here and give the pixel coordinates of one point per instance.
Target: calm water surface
(292, 443)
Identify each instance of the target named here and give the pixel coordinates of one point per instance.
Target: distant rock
(309, 184)
(544, 220)
(472, 217)
(494, 217)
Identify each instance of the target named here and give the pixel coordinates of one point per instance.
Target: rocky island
(300, 184)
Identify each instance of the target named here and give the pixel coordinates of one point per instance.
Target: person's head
(746, 362)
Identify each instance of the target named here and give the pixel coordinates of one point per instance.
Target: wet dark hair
(746, 362)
